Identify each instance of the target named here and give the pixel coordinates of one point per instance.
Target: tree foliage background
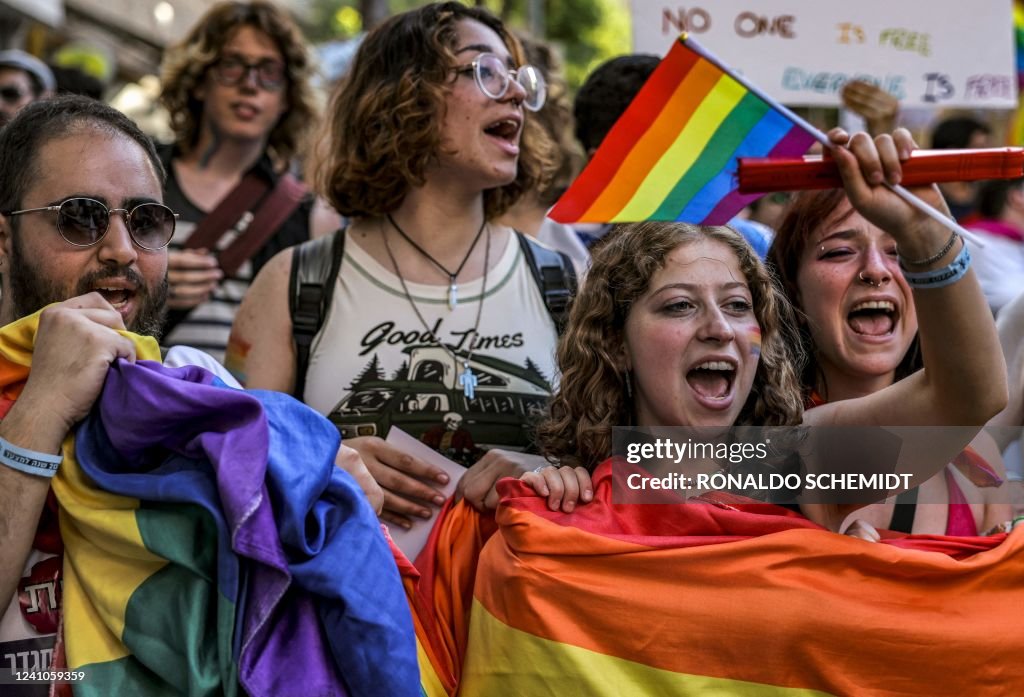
(586, 32)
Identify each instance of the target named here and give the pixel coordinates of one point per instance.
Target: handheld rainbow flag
(672, 155)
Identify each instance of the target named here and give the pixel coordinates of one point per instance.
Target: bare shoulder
(280, 263)
(260, 353)
(275, 273)
(266, 302)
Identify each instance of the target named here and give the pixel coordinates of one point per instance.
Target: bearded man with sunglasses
(82, 224)
(237, 89)
(83, 234)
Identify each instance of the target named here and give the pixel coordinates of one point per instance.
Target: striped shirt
(207, 326)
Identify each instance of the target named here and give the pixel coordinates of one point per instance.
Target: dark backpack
(315, 266)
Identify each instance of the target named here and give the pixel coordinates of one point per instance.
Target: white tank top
(375, 365)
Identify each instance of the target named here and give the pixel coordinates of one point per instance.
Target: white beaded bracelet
(29, 461)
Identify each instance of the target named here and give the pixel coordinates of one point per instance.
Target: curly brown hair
(383, 127)
(807, 213)
(186, 64)
(591, 399)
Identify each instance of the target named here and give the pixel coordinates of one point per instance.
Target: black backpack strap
(555, 277)
(315, 266)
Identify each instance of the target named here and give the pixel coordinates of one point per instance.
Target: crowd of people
(388, 263)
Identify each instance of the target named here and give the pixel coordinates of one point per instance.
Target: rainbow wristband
(29, 461)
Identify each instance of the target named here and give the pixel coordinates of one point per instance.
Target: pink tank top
(961, 520)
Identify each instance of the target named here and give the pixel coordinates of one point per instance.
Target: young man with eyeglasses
(83, 230)
(237, 88)
(23, 80)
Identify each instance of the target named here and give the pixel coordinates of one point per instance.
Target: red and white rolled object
(764, 175)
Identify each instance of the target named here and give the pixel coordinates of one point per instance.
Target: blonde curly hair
(186, 65)
(591, 399)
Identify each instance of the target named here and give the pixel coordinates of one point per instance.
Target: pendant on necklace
(468, 381)
(453, 294)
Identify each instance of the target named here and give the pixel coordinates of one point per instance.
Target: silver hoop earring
(629, 385)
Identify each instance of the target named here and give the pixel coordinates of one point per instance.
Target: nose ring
(867, 280)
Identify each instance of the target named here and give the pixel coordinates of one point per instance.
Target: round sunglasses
(83, 222)
(494, 77)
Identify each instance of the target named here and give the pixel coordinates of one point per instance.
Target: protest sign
(926, 53)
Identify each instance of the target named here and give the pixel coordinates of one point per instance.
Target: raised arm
(964, 379)
(963, 383)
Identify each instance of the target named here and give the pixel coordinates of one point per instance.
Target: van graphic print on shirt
(425, 399)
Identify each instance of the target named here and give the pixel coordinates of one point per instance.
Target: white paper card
(413, 540)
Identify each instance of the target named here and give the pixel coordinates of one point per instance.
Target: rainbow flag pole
(673, 153)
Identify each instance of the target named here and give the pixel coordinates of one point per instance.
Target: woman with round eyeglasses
(436, 325)
(494, 77)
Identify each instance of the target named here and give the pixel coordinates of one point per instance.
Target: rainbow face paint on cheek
(754, 335)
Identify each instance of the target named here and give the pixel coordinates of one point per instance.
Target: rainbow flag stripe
(672, 155)
(1015, 133)
(212, 546)
(693, 599)
(1018, 34)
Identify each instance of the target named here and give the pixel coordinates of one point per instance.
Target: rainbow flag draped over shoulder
(212, 546)
(672, 155)
(695, 599)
